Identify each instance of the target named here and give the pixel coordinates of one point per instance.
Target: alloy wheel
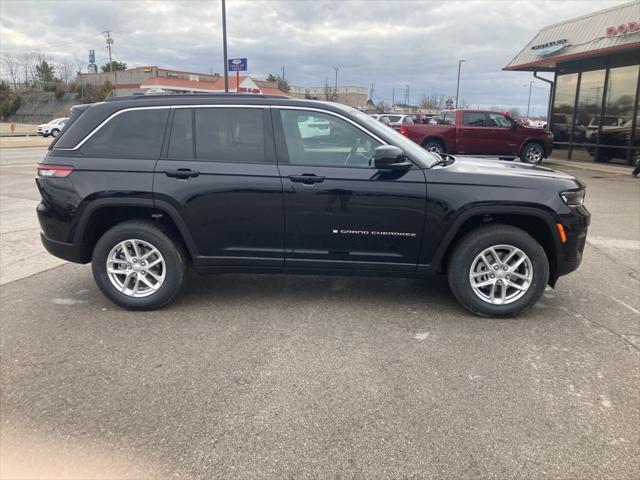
(136, 268)
(534, 154)
(501, 274)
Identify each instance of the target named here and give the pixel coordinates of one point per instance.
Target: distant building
(594, 104)
(140, 79)
(351, 95)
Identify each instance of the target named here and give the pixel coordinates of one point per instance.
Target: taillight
(404, 131)
(58, 171)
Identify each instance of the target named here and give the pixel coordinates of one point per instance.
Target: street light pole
(335, 90)
(224, 46)
(529, 101)
(460, 62)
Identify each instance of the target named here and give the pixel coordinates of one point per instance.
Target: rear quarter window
(135, 134)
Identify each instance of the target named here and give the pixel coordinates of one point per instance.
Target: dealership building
(595, 60)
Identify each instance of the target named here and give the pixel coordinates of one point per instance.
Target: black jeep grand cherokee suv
(144, 186)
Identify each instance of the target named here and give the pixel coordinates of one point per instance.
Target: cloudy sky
(388, 43)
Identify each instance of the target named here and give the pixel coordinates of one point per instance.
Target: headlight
(573, 198)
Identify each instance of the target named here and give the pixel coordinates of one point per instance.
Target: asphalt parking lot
(249, 376)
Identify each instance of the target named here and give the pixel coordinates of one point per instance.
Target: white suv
(52, 128)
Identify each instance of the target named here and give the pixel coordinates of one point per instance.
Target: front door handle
(182, 173)
(308, 179)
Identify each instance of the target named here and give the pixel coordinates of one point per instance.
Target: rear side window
(473, 119)
(134, 134)
(407, 120)
(230, 135)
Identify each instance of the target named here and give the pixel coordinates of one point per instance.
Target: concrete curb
(25, 143)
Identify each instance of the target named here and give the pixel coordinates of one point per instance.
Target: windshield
(410, 148)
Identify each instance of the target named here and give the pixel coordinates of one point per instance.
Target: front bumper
(575, 227)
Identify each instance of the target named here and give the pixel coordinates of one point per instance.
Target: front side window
(473, 119)
(319, 139)
(497, 120)
(134, 134)
(230, 135)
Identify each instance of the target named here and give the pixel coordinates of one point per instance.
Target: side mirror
(389, 157)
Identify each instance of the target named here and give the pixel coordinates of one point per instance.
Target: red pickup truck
(479, 132)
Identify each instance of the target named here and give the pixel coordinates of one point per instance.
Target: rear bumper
(65, 251)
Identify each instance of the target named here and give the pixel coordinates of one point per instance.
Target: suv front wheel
(138, 265)
(498, 271)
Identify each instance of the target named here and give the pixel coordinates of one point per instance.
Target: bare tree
(25, 62)
(382, 107)
(11, 65)
(65, 70)
(435, 101)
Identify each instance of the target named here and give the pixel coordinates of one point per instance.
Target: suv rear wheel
(498, 271)
(138, 265)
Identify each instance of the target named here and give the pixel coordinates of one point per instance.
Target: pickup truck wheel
(55, 132)
(138, 265)
(434, 147)
(532, 153)
(498, 271)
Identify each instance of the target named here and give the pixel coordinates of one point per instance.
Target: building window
(618, 114)
(563, 104)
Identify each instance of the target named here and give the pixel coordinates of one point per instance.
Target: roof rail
(191, 95)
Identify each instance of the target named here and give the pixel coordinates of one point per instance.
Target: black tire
(532, 153)
(477, 241)
(433, 146)
(170, 248)
(55, 132)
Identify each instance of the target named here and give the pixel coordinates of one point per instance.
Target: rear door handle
(181, 173)
(306, 179)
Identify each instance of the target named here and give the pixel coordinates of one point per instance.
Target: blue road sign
(237, 64)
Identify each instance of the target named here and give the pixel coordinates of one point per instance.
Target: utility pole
(371, 93)
(393, 97)
(283, 73)
(335, 91)
(224, 47)
(407, 95)
(460, 62)
(109, 43)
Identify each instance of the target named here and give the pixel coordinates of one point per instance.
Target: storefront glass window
(618, 114)
(562, 116)
(588, 113)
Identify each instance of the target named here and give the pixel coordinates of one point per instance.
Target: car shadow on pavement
(312, 290)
